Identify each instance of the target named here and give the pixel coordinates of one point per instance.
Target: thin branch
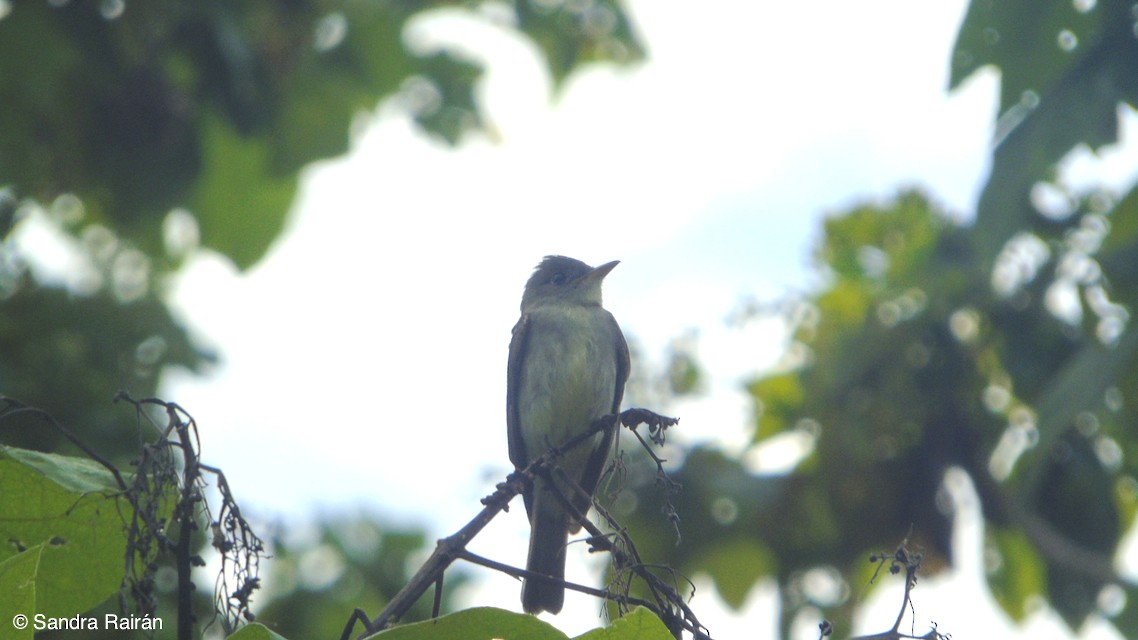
(447, 550)
(1062, 550)
(902, 559)
(671, 487)
(511, 570)
(626, 557)
(445, 553)
(624, 554)
(1006, 505)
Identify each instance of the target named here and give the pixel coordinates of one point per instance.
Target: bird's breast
(569, 374)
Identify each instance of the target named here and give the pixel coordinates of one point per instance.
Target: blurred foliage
(70, 353)
(140, 131)
(685, 375)
(134, 133)
(141, 107)
(1003, 348)
(1064, 69)
(315, 580)
(902, 368)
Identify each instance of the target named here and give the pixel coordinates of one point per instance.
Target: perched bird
(567, 367)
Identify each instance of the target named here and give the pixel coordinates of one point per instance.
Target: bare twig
(671, 487)
(901, 560)
(238, 546)
(669, 605)
(446, 551)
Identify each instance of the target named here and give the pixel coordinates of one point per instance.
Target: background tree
(145, 130)
(1002, 347)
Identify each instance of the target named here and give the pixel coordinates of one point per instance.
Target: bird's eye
(558, 278)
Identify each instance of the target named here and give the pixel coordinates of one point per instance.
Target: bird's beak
(599, 273)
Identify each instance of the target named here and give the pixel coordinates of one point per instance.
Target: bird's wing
(518, 344)
(623, 366)
(599, 459)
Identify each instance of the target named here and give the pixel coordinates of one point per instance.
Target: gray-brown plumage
(568, 365)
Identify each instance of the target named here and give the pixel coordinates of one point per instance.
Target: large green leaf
(481, 623)
(639, 624)
(18, 583)
(71, 506)
(488, 623)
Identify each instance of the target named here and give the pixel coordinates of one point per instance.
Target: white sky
(364, 358)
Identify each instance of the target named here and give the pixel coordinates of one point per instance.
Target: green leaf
(481, 623)
(569, 34)
(778, 403)
(240, 203)
(489, 623)
(736, 565)
(455, 112)
(639, 624)
(1119, 253)
(18, 584)
(1077, 387)
(41, 114)
(1128, 617)
(1071, 97)
(327, 88)
(1125, 496)
(1020, 574)
(255, 631)
(78, 475)
(1123, 224)
(69, 505)
(998, 33)
(846, 304)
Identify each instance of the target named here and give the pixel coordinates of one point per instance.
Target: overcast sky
(364, 359)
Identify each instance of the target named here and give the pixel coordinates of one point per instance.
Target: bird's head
(562, 280)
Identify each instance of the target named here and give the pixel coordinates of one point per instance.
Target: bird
(568, 364)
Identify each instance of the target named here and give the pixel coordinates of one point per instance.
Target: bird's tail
(547, 540)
